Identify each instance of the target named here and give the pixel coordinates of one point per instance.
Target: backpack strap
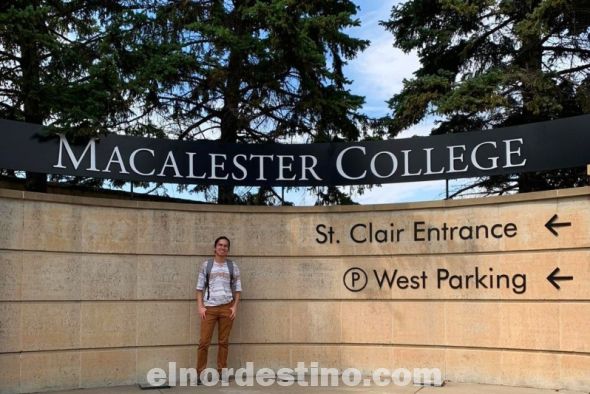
(230, 267)
(207, 274)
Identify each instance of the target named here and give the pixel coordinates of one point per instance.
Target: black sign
(563, 143)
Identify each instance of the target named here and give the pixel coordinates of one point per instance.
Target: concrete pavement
(448, 388)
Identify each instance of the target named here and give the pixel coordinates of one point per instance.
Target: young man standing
(218, 296)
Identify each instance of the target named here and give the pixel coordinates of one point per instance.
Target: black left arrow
(553, 278)
(551, 225)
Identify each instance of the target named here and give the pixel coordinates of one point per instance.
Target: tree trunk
(31, 64)
(230, 122)
(229, 134)
(36, 182)
(531, 61)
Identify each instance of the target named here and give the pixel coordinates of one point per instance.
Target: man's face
(222, 248)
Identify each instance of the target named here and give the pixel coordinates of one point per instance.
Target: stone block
(110, 230)
(49, 371)
(366, 358)
(326, 356)
(267, 278)
(355, 318)
(574, 327)
(11, 266)
(573, 370)
(109, 277)
(52, 276)
(474, 366)
(262, 356)
(472, 324)
(301, 230)
(264, 322)
(50, 326)
(166, 232)
(105, 368)
(53, 227)
(533, 326)
(412, 358)
(418, 323)
(162, 357)
(249, 231)
(10, 327)
(233, 358)
(311, 278)
(542, 369)
(575, 211)
(166, 277)
(163, 323)
(315, 322)
(206, 226)
(10, 365)
(11, 224)
(291, 278)
(108, 324)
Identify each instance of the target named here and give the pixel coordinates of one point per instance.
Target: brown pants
(215, 314)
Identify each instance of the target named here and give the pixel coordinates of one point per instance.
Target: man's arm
(200, 305)
(234, 307)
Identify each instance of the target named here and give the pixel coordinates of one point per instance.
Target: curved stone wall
(95, 292)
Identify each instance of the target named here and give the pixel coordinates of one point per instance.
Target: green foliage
(56, 68)
(493, 63)
(247, 71)
(76, 67)
(331, 195)
(264, 71)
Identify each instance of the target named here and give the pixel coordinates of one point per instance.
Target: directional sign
(473, 252)
(552, 224)
(523, 226)
(553, 278)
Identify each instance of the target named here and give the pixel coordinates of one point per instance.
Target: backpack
(230, 267)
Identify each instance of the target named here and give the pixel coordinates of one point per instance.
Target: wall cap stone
(175, 206)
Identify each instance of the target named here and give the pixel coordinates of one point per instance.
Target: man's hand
(202, 312)
(234, 310)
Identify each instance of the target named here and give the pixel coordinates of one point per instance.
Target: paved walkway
(448, 388)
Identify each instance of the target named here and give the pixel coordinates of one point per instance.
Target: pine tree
(78, 67)
(248, 71)
(264, 71)
(494, 63)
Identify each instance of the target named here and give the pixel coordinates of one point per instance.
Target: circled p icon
(355, 279)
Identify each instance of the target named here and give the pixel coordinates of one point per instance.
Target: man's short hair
(220, 238)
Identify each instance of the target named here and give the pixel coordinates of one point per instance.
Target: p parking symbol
(355, 279)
